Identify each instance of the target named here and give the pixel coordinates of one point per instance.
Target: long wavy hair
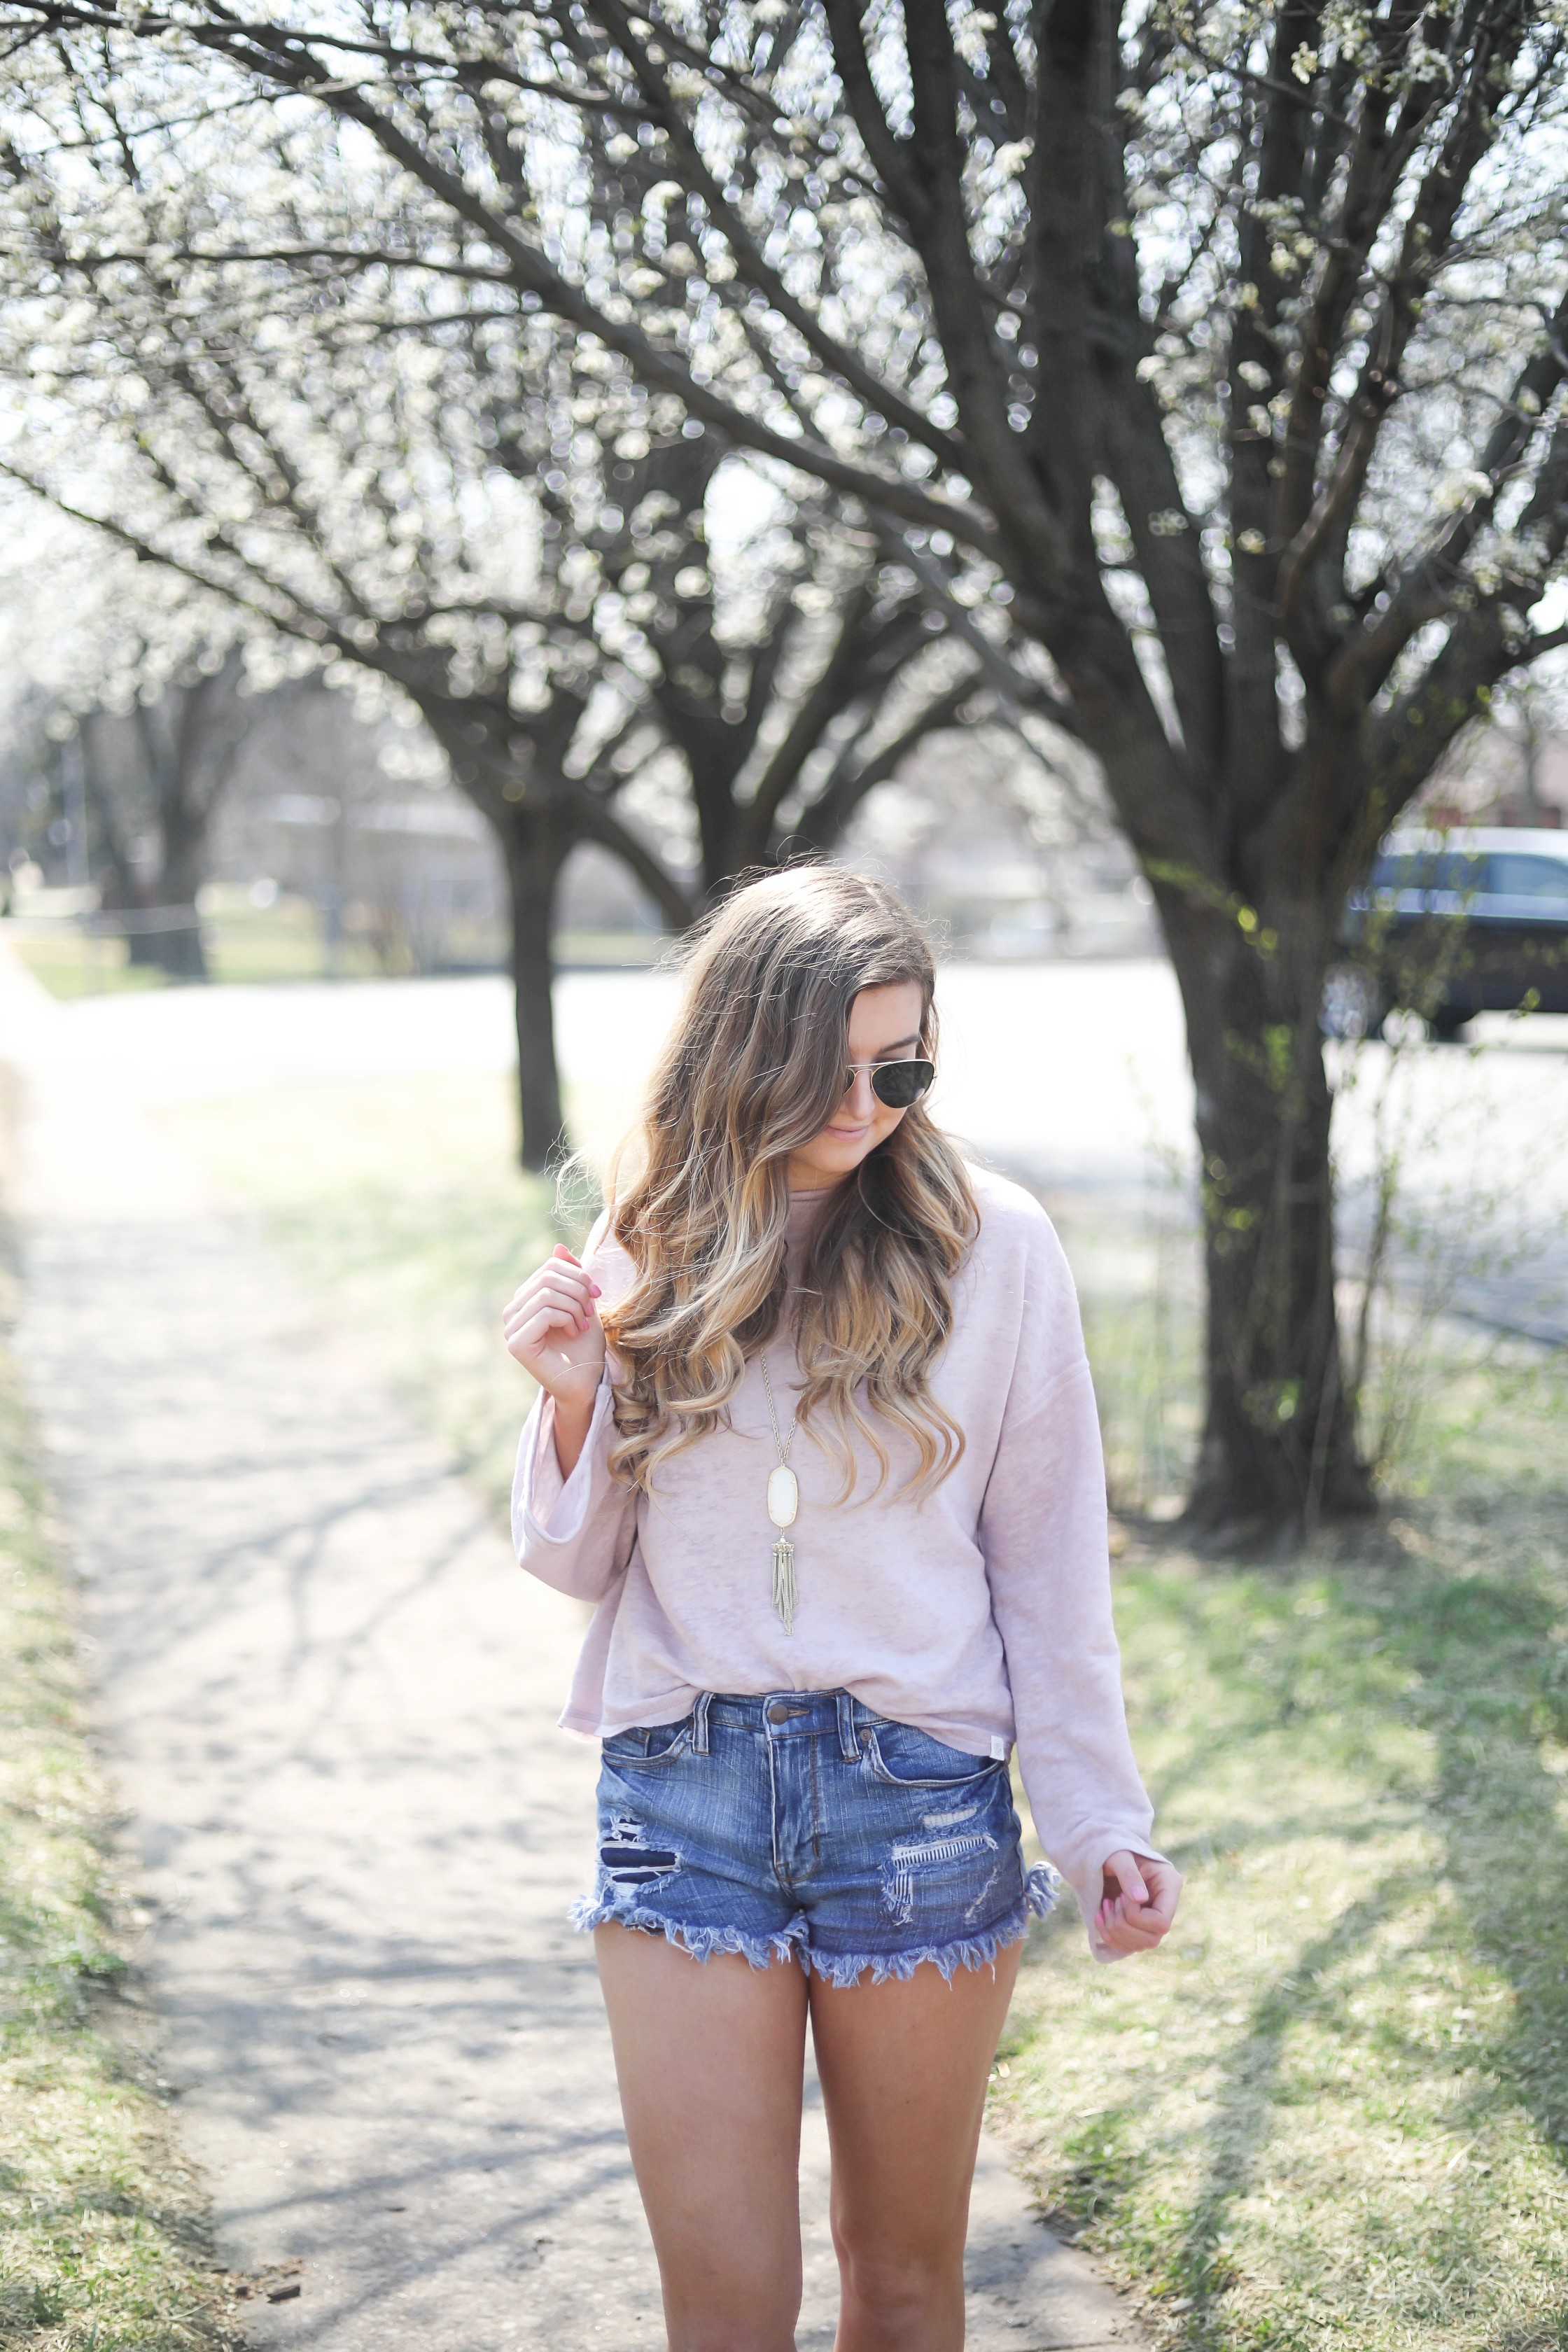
(754, 1069)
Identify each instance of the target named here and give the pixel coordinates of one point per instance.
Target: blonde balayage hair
(754, 1069)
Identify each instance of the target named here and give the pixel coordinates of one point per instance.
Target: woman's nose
(859, 1100)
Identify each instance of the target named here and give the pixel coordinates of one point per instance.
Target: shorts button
(779, 1712)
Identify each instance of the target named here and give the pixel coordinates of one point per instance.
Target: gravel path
(329, 1700)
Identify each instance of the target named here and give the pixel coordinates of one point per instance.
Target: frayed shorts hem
(588, 1913)
(837, 1969)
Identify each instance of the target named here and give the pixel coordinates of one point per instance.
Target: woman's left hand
(1138, 1901)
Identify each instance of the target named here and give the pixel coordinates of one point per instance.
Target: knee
(713, 2333)
(732, 2322)
(895, 2288)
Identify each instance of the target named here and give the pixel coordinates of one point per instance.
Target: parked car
(1450, 925)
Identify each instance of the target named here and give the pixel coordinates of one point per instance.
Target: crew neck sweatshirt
(980, 1613)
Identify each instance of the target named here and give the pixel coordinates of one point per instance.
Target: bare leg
(903, 2068)
(711, 2057)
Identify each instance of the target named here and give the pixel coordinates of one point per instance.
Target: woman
(816, 1432)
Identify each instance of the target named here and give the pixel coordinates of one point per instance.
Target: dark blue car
(1453, 924)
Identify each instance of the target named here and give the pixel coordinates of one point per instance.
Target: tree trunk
(121, 892)
(1279, 1451)
(536, 842)
(181, 951)
(145, 947)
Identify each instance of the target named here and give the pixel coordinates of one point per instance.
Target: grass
(102, 2246)
(1333, 2114)
(243, 943)
(1138, 1276)
(287, 942)
(402, 1200)
(70, 965)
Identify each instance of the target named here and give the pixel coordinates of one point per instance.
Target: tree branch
(528, 269)
(882, 399)
(601, 825)
(823, 820)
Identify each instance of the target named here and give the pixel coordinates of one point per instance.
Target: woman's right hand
(552, 1329)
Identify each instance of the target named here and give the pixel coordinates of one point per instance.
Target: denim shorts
(799, 1824)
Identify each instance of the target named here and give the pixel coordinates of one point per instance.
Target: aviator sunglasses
(895, 1083)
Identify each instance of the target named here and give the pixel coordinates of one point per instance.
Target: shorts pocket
(647, 1744)
(908, 1759)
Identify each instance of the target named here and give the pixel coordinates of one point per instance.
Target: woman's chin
(827, 1161)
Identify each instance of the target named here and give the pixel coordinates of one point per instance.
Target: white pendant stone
(784, 1496)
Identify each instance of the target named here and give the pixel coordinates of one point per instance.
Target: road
(1074, 1075)
(328, 1701)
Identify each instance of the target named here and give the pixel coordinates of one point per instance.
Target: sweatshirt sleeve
(574, 1533)
(1044, 1533)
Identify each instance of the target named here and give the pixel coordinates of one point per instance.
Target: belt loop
(848, 1737)
(699, 1723)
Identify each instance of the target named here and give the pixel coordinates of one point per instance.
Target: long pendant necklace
(783, 1502)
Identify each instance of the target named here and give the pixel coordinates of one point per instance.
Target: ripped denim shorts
(801, 1824)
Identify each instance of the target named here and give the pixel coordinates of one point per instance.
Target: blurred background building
(300, 831)
(320, 837)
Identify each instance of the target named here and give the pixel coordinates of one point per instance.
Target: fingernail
(595, 1289)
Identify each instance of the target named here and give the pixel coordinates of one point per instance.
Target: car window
(1431, 869)
(1511, 874)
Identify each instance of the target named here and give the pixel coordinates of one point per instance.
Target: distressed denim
(799, 1824)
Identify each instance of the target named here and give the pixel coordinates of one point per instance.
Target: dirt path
(329, 1699)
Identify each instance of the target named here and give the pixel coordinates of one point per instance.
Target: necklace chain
(783, 1444)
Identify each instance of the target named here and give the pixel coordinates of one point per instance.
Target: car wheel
(1353, 1003)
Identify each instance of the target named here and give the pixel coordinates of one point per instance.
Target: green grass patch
(402, 1201)
(1138, 1276)
(285, 942)
(1334, 2112)
(70, 965)
(103, 2244)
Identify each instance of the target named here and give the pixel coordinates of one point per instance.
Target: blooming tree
(450, 492)
(1231, 339)
(143, 686)
(336, 491)
(791, 687)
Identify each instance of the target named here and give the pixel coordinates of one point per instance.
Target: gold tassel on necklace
(783, 1582)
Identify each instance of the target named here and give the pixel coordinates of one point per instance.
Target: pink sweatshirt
(980, 1614)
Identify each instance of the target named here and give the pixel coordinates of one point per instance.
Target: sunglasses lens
(899, 1083)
